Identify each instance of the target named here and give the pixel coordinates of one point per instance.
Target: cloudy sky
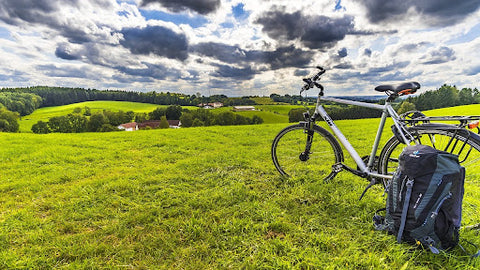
(238, 47)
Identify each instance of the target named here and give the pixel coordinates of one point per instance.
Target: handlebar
(312, 82)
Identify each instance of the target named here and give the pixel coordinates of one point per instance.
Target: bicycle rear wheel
(461, 142)
(295, 155)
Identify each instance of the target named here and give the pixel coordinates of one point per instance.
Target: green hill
(269, 113)
(193, 198)
(473, 109)
(47, 112)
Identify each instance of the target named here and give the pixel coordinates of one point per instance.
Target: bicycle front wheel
(300, 152)
(461, 142)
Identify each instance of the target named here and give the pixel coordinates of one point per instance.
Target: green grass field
(46, 113)
(192, 198)
(473, 109)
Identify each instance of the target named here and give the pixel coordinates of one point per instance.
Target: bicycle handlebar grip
(322, 70)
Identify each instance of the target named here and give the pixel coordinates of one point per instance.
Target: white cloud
(88, 38)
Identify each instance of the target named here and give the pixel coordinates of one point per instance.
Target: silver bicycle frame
(387, 111)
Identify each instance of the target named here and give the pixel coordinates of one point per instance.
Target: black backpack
(424, 198)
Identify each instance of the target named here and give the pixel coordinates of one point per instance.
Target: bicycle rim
(463, 145)
(290, 160)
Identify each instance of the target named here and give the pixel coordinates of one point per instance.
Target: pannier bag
(424, 198)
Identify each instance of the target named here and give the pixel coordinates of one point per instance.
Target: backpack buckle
(430, 243)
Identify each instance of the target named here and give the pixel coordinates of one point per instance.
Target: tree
(186, 119)
(9, 121)
(87, 111)
(163, 122)
(296, 115)
(41, 128)
(78, 123)
(406, 107)
(256, 120)
(197, 123)
(140, 117)
(156, 114)
(96, 121)
(173, 112)
(60, 124)
(107, 128)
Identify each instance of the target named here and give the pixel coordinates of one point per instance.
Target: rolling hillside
(193, 198)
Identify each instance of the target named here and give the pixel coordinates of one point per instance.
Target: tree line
(445, 96)
(57, 96)
(202, 117)
(23, 103)
(337, 112)
(82, 120)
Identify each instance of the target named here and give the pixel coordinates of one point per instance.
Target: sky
(239, 47)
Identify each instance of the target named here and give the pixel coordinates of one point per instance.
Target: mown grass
(196, 198)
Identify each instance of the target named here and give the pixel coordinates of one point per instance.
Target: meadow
(192, 198)
(45, 113)
(269, 113)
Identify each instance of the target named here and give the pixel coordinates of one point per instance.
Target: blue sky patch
(338, 5)
(239, 13)
(471, 35)
(195, 21)
(5, 34)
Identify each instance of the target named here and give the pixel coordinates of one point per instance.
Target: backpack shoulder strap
(405, 209)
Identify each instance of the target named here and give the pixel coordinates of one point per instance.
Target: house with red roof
(129, 126)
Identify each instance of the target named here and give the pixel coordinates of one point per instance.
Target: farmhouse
(129, 126)
(151, 124)
(243, 108)
(174, 123)
(156, 124)
(210, 105)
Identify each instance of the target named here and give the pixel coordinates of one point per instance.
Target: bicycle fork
(305, 155)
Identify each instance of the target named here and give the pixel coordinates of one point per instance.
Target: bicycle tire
(462, 142)
(289, 144)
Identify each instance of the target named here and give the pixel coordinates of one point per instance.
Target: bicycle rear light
(473, 125)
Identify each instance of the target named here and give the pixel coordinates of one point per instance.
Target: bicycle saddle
(405, 88)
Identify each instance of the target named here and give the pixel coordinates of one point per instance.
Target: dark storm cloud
(16, 12)
(287, 57)
(344, 66)
(439, 56)
(343, 53)
(199, 6)
(280, 58)
(65, 53)
(92, 53)
(387, 74)
(434, 12)
(301, 72)
(315, 32)
(156, 40)
(223, 52)
(225, 71)
(154, 71)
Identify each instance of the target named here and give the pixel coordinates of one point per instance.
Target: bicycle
(295, 152)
